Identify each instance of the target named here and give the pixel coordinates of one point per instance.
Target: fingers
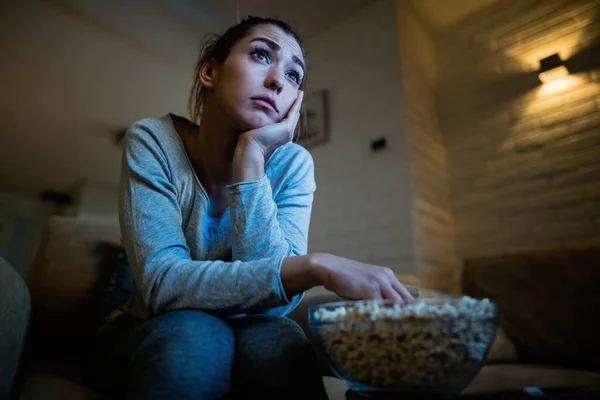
(389, 293)
(294, 113)
(295, 109)
(291, 119)
(298, 103)
(394, 290)
(293, 116)
(401, 290)
(375, 295)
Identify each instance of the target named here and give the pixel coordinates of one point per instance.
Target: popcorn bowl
(430, 346)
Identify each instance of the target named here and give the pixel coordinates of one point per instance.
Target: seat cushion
(53, 387)
(15, 308)
(69, 282)
(548, 301)
(516, 377)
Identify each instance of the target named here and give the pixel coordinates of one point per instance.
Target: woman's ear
(208, 74)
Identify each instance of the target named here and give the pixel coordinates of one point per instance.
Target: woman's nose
(274, 81)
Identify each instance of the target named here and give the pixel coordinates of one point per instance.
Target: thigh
(180, 355)
(274, 359)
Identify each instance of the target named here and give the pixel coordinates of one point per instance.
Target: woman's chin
(257, 121)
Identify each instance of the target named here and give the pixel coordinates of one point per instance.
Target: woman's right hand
(357, 281)
(269, 137)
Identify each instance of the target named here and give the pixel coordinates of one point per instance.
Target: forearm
(172, 281)
(228, 288)
(270, 217)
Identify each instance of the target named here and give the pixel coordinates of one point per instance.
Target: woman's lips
(265, 102)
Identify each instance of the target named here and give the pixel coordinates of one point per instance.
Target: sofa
(547, 299)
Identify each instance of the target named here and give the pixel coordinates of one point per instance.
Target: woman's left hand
(268, 138)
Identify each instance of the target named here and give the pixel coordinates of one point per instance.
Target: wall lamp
(552, 68)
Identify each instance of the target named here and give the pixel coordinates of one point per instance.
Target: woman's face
(258, 82)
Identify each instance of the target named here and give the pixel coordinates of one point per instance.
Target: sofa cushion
(54, 387)
(15, 306)
(68, 283)
(548, 301)
(503, 349)
(493, 378)
(116, 285)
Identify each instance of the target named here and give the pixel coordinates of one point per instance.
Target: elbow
(154, 300)
(162, 291)
(157, 298)
(159, 301)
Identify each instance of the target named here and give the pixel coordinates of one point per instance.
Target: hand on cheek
(270, 137)
(256, 146)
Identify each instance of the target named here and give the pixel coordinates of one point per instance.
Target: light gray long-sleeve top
(181, 257)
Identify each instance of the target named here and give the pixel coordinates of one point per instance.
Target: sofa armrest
(503, 349)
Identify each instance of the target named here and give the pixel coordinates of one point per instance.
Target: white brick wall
(363, 204)
(433, 223)
(524, 158)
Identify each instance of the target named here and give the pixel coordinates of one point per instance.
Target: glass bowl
(433, 346)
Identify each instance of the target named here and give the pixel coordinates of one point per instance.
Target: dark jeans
(195, 355)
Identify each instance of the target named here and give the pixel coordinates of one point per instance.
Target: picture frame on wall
(314, 120)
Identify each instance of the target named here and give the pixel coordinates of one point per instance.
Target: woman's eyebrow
(275, 47)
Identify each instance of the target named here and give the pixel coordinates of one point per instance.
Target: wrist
(317, 268)
(249, 148)
(301, 273)
(248, 161)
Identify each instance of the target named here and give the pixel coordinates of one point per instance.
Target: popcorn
(409, 346)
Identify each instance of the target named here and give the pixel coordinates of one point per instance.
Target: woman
(215, 219)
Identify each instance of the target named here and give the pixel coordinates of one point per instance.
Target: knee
(190, 333)
(188, 354)
(273, 354)
(290, 334)
(275, 346)
(292, 348)
(187, 344)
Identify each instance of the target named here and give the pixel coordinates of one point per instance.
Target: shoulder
(149, 131)
(154, 137)
(151, 143)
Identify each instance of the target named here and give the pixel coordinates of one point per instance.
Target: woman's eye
(261, 55)
(295, 77)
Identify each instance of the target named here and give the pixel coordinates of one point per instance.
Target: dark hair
(217, 48)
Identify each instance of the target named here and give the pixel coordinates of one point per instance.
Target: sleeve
(165, 275)
(263, 226)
